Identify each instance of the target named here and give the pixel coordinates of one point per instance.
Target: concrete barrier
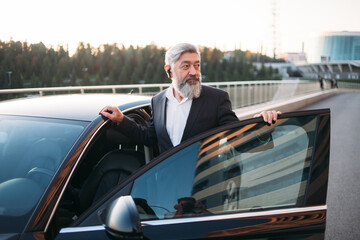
(286, 105)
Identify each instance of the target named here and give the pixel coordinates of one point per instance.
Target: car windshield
(31, 151)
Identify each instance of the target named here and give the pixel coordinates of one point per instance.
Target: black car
(67, 173)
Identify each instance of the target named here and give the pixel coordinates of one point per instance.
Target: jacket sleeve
(137, 133)
(225, 112)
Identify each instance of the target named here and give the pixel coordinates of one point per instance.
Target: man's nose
(192, 70)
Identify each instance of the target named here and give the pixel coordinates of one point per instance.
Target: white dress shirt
(176, 116)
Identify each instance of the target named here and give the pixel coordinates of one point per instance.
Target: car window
(248, 168)
(31, 150)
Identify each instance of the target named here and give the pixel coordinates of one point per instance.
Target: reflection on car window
(243, 169)
(171, 179)
(31, 150)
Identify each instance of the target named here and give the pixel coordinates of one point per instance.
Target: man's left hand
(269, 116)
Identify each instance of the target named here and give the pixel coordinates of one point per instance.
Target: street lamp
(9, 73)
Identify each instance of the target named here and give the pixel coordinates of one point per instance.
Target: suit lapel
(162, 117)
(196, 106)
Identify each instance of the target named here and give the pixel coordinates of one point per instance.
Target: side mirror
(121, 219)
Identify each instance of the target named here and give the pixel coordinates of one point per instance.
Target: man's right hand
(112, 113)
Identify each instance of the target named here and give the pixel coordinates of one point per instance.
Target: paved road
(343, 200)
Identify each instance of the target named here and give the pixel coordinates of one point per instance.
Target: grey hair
(174, 53)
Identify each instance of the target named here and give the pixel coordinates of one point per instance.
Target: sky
(226, 24)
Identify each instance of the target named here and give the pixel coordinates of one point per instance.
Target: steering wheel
(38, 171)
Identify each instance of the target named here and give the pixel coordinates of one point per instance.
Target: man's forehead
(188, 57)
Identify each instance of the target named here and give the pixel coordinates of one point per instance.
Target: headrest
(115, 136)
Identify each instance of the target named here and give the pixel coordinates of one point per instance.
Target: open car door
(243, 180)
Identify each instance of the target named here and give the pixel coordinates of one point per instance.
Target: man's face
(187, 75)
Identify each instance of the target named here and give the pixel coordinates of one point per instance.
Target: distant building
(332, 69)
(336, 46)
(286, 70)
(294, 57)
(229, 55)
(334, 55)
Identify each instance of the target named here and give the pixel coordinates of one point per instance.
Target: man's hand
(269, 116)
(112, 113)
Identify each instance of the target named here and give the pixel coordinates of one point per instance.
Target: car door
(243, 180)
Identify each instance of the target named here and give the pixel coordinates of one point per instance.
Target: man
(185, 109)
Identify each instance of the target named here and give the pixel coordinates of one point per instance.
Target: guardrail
(242, 93)
(349, 85)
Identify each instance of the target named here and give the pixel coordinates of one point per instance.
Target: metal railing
(247, 93)
(349, 85)
(242, 93)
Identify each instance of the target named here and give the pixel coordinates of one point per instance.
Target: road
(343, 215)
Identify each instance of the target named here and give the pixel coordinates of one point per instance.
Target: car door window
(246, 168)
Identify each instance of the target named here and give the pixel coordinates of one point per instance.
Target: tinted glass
(31, 150)
(243, 169)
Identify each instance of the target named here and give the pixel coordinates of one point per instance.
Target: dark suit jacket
(210, 110)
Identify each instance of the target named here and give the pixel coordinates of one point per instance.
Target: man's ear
(168, 70)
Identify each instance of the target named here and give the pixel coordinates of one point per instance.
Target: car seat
(111, 170)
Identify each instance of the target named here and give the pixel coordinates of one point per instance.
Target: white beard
(188, 89)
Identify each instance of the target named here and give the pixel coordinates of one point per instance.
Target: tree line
(24, 65)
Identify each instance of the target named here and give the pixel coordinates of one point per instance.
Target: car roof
(84, 107)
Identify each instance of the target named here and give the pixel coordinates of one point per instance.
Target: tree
(35, 65)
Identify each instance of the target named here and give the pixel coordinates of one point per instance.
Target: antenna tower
(274, 28)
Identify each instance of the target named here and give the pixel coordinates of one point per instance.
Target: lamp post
(9, 73)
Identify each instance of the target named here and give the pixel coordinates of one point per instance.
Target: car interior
(30, 154)
(110, 159)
